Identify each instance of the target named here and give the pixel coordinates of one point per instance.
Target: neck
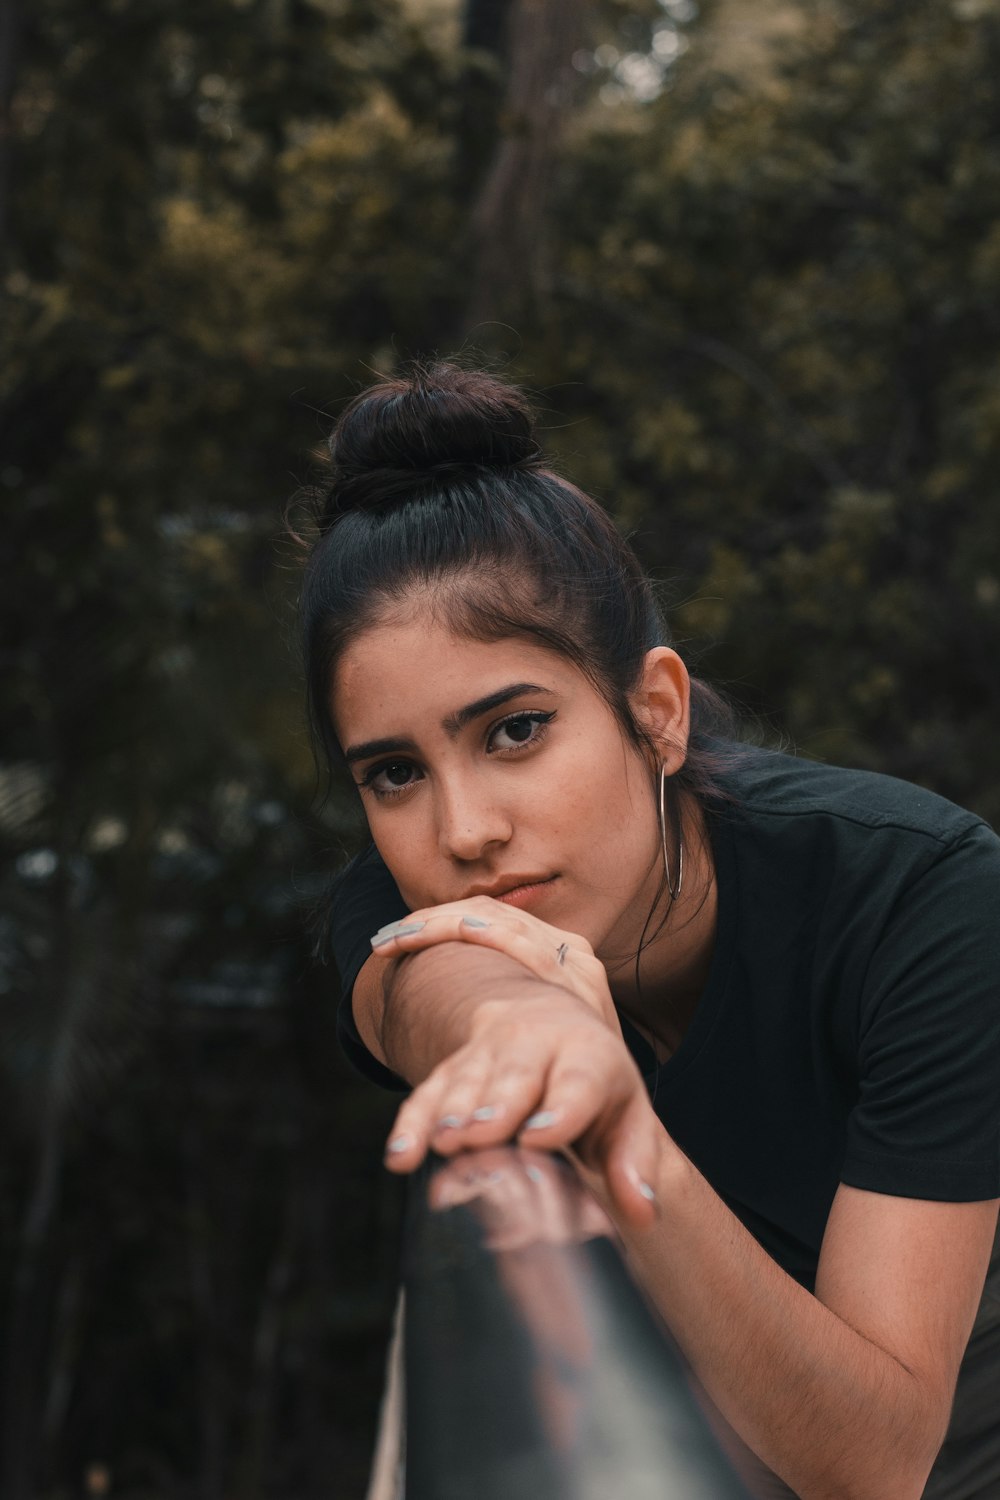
(673, 968)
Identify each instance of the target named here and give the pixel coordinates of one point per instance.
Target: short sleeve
(366, 899)
(927, 1119)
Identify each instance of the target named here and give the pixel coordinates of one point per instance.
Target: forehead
(404, 671)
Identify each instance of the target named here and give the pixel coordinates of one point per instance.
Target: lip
(515, 890)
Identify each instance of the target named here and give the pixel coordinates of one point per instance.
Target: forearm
(496, 1052)
(413, 1012)
(831, 1412)
(838, 1413)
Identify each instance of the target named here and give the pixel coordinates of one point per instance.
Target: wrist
(518, 992)
(673, 1177)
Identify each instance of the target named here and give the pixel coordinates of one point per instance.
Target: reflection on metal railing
(526, 1364)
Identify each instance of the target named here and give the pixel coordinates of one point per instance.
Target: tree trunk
(267, 1344)
(212, 1392)
(508, 219)
(28, 1330)
(479, 91)
(10, 48)
(63, 1364)
(28, 1335)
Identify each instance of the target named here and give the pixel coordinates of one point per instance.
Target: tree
(753, 277)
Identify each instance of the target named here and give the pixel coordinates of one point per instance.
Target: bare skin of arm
(414, 1011)
(844, 1394)
(464, 1024)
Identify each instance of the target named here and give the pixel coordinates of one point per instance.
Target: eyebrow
(452, 724)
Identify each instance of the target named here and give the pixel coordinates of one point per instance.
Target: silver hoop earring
(674, 889)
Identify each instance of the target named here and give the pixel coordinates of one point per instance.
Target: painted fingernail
(474, 922)
(487, 1112)
(541, 1121)
(641, 1185)
(450, 1122)
(395, 930)
(399, 1143)
(533, 1174)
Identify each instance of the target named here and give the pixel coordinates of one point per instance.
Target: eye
(519, 730)
(390, 778)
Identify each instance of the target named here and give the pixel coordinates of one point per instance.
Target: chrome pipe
(533, 1368)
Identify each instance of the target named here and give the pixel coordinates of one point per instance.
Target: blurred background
(748, 257)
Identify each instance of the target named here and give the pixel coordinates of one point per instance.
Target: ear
(662, 705)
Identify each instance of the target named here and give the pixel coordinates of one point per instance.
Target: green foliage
(765, 310)
(793, 324)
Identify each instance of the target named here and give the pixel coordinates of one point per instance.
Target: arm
(413, 1010)
(844, 1394)
(417, 997)
(477, 1032)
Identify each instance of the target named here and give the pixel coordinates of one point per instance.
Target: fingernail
(450, 1122)
(641, 1185)
(534, 1174)
(395, 930)
(542, 1120)
(399, 1143)
(487, 1112)
(474, 922)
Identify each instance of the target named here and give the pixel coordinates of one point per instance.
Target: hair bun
(436, 422)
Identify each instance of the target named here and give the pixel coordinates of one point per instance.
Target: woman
(756, 995)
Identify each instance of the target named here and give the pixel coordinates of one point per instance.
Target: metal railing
(526, 1364)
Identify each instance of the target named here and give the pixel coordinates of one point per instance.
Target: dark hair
(438, 483)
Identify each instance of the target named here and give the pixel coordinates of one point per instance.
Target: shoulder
(802, 832)
(768, 787)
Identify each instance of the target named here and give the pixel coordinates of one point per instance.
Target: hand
(559, 957)
(546, 1070)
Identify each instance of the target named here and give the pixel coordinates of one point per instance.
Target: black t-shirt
(850, 1027)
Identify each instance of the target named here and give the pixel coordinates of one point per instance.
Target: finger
(445, 922)
(574, 1099)
(550, 953)
(410, 1137)
(461, 1101)
(484, 1095)
(553, 956)
(489, 909)
(471, 1113)
(634, 1201)
(507, 1097)
(628, 1160)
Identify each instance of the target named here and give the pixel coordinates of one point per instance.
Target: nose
(470, 820)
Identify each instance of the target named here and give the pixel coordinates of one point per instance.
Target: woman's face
(496, 768)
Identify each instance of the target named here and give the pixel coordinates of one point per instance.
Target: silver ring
(561, 953)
